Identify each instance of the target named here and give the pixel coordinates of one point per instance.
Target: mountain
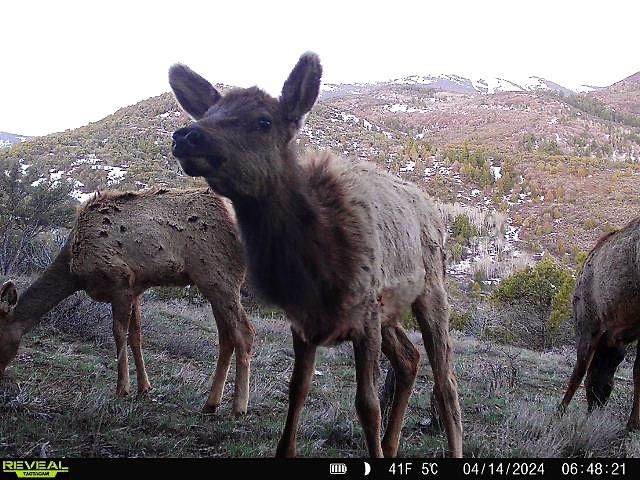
(8, 139)
(537, 166)
(458, 84)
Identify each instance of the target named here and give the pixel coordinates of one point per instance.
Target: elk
(343, 248)
(121, 244)
(606, 310)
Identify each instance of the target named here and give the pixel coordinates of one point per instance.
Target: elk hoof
(144, 390)
(633, 425)
(239, 413)
(285, 451)
(209, 409)
(122, 392)
(389, 452)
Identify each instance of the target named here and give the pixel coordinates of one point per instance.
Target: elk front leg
(135, 342)
(366, 351)
(299, 385)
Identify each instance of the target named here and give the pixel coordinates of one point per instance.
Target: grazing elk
(606, 309)
(343, 248)
(121, 244)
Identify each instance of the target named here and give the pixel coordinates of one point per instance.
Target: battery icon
(337, 468)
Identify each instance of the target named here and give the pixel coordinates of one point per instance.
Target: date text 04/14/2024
(553, 468)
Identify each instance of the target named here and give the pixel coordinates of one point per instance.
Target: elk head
(600, 376)
(10, 331)
(241, 142)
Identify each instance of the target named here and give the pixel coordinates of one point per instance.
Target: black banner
(79, 468)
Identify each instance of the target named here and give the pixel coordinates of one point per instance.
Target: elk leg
(305, 356)
(243, 336)
(135, 342)
(366, 351)
(235, 333)
(584, 354)
(225, 351)
(404, 358)
(634, 418)
(121, 312)
(432, 313)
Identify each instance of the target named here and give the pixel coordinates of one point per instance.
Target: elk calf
(121, 244)
(343, 248)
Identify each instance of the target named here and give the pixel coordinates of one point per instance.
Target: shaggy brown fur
(606, 309)
(343, 248)
(121, 244)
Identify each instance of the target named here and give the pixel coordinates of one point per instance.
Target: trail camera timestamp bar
(511, 468)
(327, 468)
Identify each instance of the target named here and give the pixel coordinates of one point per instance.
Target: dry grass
(57, 398)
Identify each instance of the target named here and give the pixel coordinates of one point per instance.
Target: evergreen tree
(31, 207)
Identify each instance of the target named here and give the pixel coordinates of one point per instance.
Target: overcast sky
(66, 63)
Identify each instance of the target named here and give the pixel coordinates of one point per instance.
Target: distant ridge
(8, 139)
(459, 84)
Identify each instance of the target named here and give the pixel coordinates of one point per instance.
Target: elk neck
(301, 254)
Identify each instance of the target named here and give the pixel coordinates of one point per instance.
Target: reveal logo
(34, 468)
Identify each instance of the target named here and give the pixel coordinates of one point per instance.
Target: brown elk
(343, 248)
(606, 309)
(121, 244)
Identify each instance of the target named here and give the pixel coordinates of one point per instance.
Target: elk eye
(264, 124)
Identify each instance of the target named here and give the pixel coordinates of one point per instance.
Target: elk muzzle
(188, 142)
(194, 151)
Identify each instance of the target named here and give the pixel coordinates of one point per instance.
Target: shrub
(409, 321)
(456, 252)
(460, 320)
(545, 291)
(462, 229)
(581, 257)
(82, 318)
(476, 289)
(32, 208)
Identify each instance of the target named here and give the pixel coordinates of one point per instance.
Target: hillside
(530, 154)
(623, 96)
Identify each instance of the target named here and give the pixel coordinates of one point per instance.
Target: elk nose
(187, 140)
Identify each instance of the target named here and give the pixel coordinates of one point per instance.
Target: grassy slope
(57, 398)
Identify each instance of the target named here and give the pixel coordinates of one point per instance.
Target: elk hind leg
(121, 312)
(135, 342)
(432, 313)
(404, 358)
(225, 352)
(235, 333)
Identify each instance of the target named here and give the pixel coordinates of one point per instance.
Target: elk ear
(8, 296)
(194, 94)
(301, 89)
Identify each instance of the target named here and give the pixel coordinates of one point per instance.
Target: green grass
(58, 398)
